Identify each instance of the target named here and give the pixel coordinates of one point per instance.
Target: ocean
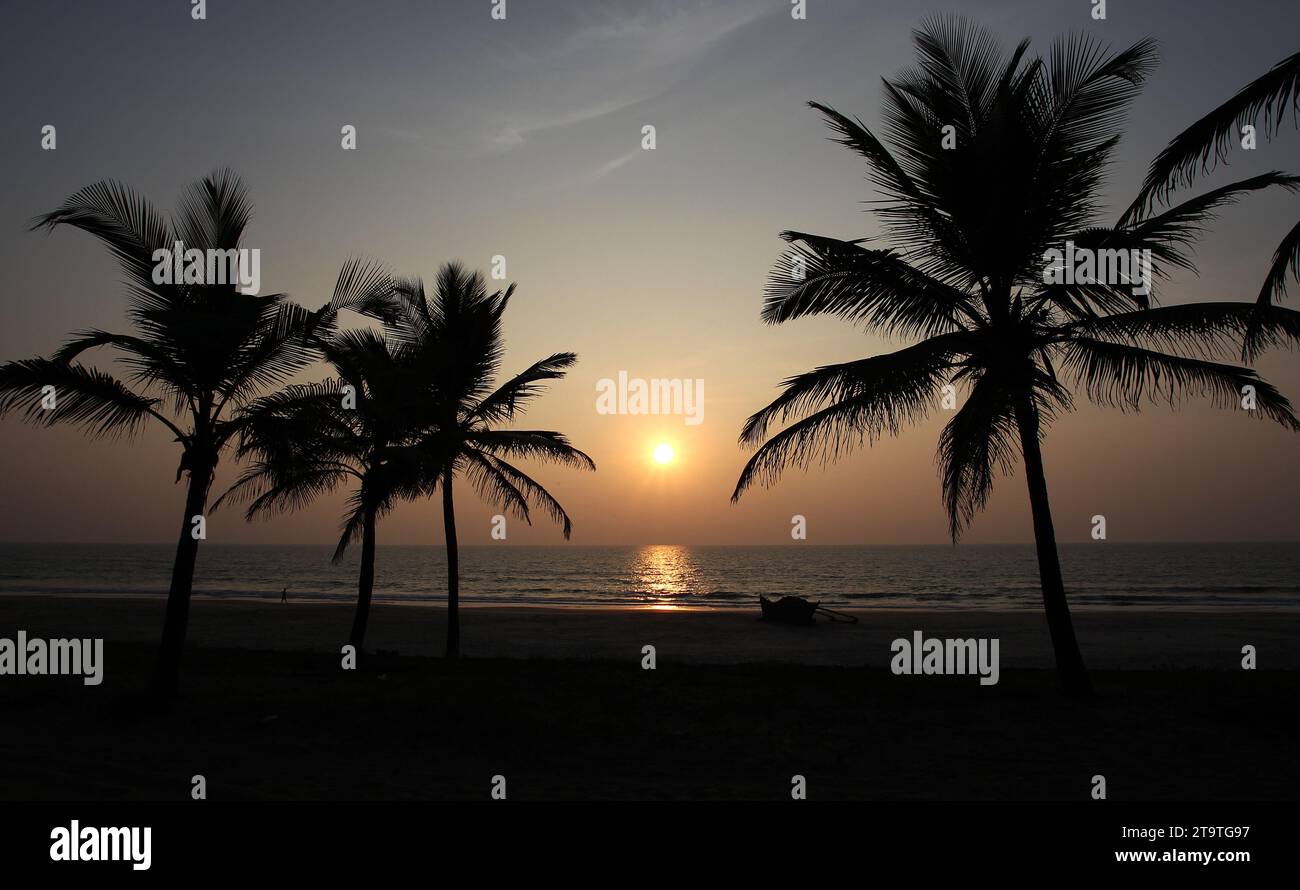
(1105, 574)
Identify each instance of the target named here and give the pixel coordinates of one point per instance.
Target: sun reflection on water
(666, 572)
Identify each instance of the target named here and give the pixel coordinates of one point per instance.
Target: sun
(664, 453)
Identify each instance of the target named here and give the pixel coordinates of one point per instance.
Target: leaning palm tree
(310, 439)
(198, 352)
(971, 224)
(455, 340)
(1200, 148)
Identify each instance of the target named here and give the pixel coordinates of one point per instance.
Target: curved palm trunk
(453, 566)
(366, 581)
(168, 668)
(1069, 661)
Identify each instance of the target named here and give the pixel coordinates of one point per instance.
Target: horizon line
(800, 544)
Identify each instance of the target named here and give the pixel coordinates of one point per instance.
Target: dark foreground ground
(264, 725)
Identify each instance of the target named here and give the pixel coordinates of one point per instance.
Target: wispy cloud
(661, 34)
(593, 175)
(515, 133)
(610, 166)
(610, 59)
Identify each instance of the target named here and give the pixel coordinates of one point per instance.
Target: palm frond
(280, 345)
(291, 492)
(533, 492)
(544, 445)
(152, 363)
(1208, 330)
(494, 486)
(1181, 225)
(876, 287)
(980, 440)
(902, 388)
(506, 401)
(1286, 260)
(353, 525)
(367, 288)
(123, 219)
(912, 211)
(905, 382)
(215, 211)
(1122, 376)
(1205, 144)
(83, 396)
(963, 62)
(1092, 89)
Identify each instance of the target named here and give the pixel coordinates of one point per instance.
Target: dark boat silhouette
(797, 610)
(788, 609)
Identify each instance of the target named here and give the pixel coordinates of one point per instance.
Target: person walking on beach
(284, 595)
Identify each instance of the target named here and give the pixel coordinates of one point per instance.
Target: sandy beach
(1118, 639)
(556, 700)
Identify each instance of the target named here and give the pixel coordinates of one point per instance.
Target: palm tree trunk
(453, 566)
(1069, 661)
(366, 582)
(168, 668)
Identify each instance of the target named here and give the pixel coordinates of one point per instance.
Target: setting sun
(663, 453)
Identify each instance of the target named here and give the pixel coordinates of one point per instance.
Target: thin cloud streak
(643, 56)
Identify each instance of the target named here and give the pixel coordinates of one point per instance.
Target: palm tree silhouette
(455, 341)
(1206, 143)
(198, 351)
(971, 224)
(357, 427)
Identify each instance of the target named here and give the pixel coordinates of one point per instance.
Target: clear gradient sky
(522, 138)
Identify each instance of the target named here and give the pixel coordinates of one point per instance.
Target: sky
(522, 138)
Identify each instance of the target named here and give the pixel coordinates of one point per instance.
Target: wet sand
(1110, 639)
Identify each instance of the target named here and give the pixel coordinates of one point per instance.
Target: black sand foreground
(1175, 718)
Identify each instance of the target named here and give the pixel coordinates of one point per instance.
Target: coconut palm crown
(356, 428)
(454, 337)
(988, 163)
(198, 351)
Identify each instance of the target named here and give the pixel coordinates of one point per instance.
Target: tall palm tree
(197, 353)
(357, 427)
(971, 225)
(1264, 102)
(455, 339)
